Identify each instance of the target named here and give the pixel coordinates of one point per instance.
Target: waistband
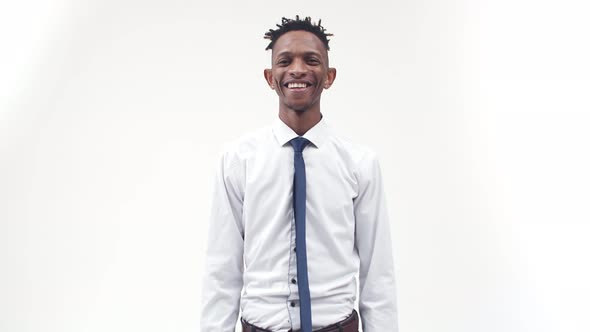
(349, 324)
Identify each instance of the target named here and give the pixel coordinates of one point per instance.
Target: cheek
(278, 86)
(277, 78)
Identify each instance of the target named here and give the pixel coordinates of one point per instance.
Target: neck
(300, 122)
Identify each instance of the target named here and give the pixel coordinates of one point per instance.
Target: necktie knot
(299, 143)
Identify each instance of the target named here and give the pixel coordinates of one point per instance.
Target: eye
(313, 61)
(283, 62)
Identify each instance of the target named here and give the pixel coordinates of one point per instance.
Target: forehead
(299, 41)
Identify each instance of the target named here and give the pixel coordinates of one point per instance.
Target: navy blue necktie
(299, 197)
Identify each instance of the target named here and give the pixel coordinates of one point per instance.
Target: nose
(297, 68)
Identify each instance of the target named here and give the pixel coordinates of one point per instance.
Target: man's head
(300, 67)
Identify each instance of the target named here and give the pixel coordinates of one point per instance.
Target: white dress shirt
(251, 260)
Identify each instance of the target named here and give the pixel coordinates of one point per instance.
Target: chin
(299, 108)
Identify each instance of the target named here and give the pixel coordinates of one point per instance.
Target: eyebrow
(308, 53)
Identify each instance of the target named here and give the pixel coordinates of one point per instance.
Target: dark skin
(299, 74)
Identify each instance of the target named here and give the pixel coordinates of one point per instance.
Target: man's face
(299, 71)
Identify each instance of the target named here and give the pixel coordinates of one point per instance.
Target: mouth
(297, 86)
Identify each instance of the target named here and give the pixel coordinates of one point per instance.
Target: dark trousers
(350, 324)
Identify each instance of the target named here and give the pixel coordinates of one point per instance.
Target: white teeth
(296, 85)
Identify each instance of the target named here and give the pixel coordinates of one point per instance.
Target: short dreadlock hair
(288, 24)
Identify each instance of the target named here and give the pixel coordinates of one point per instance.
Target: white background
(113, 113)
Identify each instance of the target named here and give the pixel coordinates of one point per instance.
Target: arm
(377, 298)
(223, 282)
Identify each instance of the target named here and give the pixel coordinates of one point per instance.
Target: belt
(350, 324)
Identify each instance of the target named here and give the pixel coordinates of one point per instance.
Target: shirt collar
(316, 134)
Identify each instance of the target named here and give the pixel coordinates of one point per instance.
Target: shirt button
(295, 249)
(293, 304)
(293, 281)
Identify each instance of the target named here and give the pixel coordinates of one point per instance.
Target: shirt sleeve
(377, 293)
(222, 284)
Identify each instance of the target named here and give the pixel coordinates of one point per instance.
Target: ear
(331, 77)
(268, 78)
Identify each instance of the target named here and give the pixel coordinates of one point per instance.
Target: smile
(297, 85)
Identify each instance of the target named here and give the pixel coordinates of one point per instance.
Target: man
(298, 212)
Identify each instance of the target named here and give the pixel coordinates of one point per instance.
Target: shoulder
(360, 155)
(241, 148)
(362, 159)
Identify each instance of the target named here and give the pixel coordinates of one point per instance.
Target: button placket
(292, 299)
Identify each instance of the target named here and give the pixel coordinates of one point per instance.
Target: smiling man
(299, 212)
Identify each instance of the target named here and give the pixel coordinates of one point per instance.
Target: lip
(308, 83)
